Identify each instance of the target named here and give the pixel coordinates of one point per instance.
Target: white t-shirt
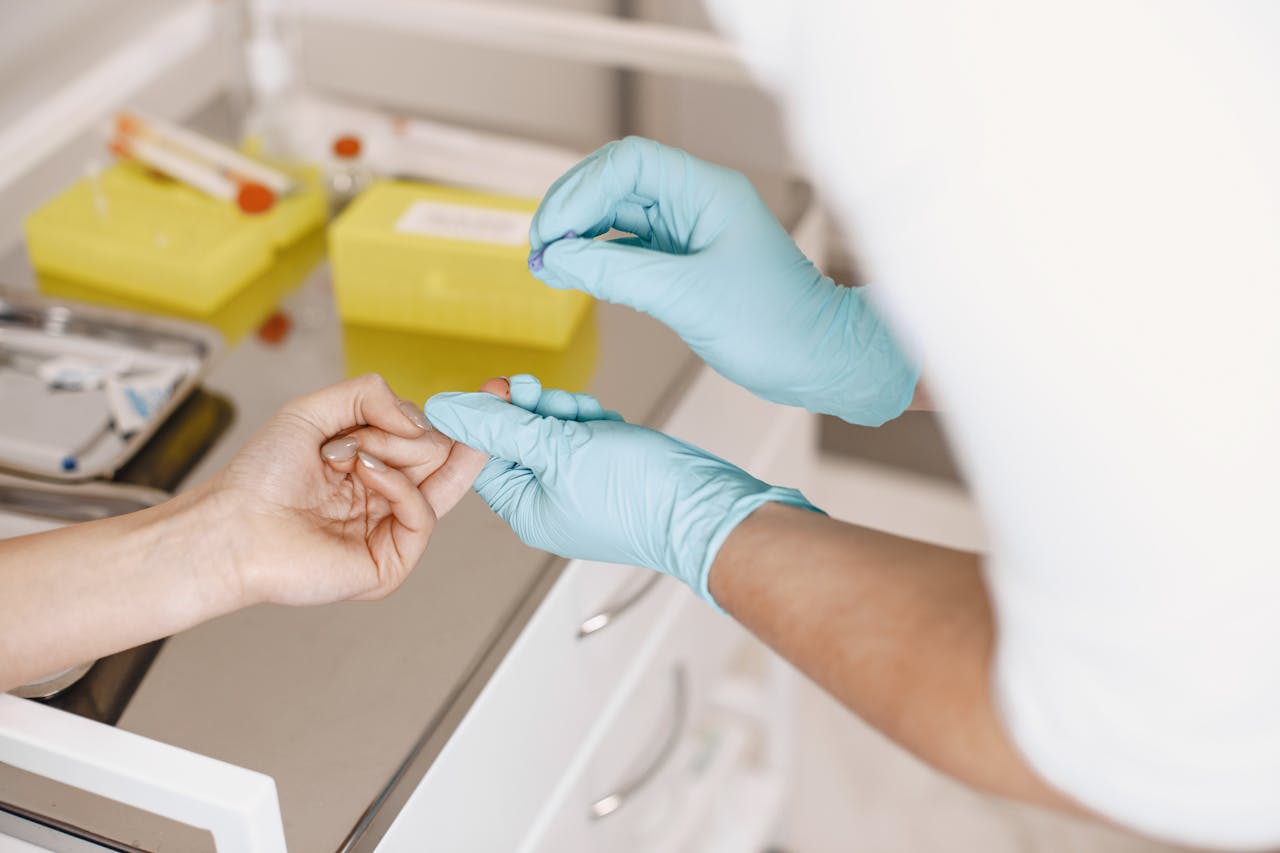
(1071, 214)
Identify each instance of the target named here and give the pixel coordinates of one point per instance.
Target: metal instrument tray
(146, 335)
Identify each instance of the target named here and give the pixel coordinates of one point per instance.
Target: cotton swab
(231, 162)
(250, 197)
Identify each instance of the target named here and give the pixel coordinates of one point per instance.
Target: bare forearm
(922, 400)
(897, 630)
(84, 591)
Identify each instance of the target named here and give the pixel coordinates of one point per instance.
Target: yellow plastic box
(446, 261)
(137, 236)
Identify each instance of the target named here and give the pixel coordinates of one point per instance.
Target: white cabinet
(626, 790)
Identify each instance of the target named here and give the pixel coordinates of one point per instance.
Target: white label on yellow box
(465, 222)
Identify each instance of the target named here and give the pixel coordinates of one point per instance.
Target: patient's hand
(354, 522)
(441, 469)
(279, 524)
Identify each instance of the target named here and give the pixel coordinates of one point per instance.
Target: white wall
(563, 102)
(738, 126)
(44, 45)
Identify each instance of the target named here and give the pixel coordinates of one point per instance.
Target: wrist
(204, 536)
(751, 542)
(764, 503)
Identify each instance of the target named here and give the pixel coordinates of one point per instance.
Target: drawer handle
(610, 612)
(610, 803)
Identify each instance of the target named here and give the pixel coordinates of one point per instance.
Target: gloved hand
(582, 483)
(710, 261)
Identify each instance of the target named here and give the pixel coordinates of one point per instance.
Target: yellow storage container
(241, 314)
(446, 261)
(419, 365)
(137, 236)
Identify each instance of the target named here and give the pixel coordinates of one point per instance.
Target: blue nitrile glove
(598, 488)
(710, 261)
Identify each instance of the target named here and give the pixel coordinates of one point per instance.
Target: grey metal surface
(64, 503)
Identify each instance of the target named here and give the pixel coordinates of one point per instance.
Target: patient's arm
(277, 525)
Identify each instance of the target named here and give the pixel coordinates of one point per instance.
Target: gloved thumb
(619, 271)
(491, 425)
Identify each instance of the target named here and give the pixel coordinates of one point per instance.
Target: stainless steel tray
(146, 334)
(65, 503)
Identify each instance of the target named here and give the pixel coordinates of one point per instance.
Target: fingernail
(340, 449)
(373, 463)
(415, 415)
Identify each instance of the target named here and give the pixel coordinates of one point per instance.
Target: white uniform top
(1071, 214)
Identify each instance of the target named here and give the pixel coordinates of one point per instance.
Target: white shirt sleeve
(1071, 213)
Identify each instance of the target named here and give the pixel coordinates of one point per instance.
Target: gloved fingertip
(538, 257)
(546, 276)
(558, 264)
(525, 391)
(438, 410)
(536, 262)
(556, 403)
(589, 408)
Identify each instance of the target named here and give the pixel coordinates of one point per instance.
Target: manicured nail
(415, 415)
(373, 463)
(340, 449)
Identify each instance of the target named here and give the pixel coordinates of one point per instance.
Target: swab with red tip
(234, 164)
(144, 144)
(249, 197)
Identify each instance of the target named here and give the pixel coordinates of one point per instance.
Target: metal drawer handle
(610, 612)
(610, 803)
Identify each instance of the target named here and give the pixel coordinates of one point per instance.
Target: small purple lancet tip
(535, 258)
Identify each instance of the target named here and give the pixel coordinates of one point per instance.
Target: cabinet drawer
(621, 793)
